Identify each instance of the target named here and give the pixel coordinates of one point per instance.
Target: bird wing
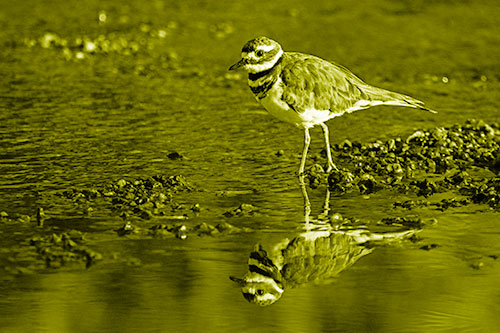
(320, 259)
(313, 83)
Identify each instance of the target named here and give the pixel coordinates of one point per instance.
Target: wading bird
(305, 90)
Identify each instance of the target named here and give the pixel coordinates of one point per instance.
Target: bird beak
(240, 282)
(237, 65)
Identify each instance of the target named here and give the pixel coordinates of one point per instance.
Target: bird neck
(261, 82)
(258, 75)
(260, 263)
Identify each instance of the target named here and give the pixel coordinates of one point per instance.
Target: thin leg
(326, 205)
(328, 152)
(307, 203)
(307, 141)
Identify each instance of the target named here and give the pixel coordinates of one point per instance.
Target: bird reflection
(317, 254)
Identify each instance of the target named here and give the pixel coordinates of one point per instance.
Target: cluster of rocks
(152, 198)
(50, 250)
(136, 200)
(425, 163)
(59, 249)
(181, 231)
(242, 210)
(178, 230)
(142, 197)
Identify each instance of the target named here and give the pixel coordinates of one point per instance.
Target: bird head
(259, 289)
(263, 283)
(259, 54)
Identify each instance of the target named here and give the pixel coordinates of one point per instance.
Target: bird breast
(305, 118)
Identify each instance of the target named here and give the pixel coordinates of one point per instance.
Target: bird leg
(307, 141)
(328, 152)
(326, 205)
(307, 203)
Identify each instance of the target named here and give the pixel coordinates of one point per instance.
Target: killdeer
(305, 90)
(310, 257)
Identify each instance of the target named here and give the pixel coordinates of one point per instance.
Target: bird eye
(260, 292)
(259, 53)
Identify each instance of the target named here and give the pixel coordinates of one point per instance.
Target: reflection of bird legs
(326, 206)
(307, 204)
(307, 141)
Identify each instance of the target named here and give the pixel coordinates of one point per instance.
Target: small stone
(196, 208)
(24, 219)
(174, 156)
(242, 210)
(429, 247)
(126, 229)
(336, 218)
(121, 183)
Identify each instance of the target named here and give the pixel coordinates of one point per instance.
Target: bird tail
(378, 96)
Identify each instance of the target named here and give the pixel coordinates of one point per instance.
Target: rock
(241, 210)
(175, 156)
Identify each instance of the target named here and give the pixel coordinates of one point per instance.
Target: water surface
(89, 118)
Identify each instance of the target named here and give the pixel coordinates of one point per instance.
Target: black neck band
(256, 76)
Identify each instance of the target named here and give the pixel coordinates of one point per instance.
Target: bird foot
(344, 174)
(331, 167)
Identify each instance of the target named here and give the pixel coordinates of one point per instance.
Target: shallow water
(68, 123)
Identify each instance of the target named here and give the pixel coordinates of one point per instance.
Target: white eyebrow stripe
(265, 48)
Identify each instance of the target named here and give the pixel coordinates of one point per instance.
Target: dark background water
(74, 115)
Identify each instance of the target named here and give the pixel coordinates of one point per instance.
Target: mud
(462, 159)
(136, 201)
(142, 197)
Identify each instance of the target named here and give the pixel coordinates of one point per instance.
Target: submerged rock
(242, 210)
(409, 222)
(175, 156)
(182, 231)
(60, 249)
(126, 229)
(14, 219)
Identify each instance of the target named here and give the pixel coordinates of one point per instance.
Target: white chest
(277, 107)
(304, 115)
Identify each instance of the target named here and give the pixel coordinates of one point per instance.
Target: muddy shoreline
(461, 161)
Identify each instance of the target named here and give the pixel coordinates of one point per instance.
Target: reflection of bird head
(263, 284)
(259, 289)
